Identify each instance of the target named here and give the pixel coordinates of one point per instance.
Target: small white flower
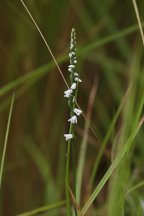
(73, 53)
(71, 46)
(68, 136)
(73, 120)
(75, 74)
(70, 55)
(75, 61)
(77, 111)
(70, 69)
(73, 86)
(67, 93)
(77, 79)
(71, 66)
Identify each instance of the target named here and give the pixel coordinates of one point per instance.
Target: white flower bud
(77, 79)
(70, 55)
(73, 86)
(75, 74)
(67, 93)
(77, 111)
(71, 66)
(70, 69)
(68, 136)
(73, 120)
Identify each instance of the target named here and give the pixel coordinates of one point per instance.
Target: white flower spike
(67, 93)
(73, 86)
(77, 111)
(73, 120)
(68, 136)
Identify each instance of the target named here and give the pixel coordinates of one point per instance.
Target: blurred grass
(110, 49)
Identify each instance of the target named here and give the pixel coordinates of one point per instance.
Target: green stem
(67, 174)
(74, 154)
(74, 169)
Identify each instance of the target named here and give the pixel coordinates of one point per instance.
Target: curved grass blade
(138, 19)
(135, 187)
(6, 139)
(75, 202)
(43, 209)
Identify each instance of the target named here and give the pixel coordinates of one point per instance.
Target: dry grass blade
(75, 202)
(138, 19)
(42, 36)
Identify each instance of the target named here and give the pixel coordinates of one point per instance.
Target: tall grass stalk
(139, 20)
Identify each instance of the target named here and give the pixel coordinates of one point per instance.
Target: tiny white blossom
(77, 79)
(70, 55)
(71, 66)
(68, 136)
(77, 111)
(70, 69)
(73, 53)
(75, 61)
(67, 93)
(73, 86)
(75, 74)
(73, 120)
(71, 46)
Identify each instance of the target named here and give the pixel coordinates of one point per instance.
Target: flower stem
(72, 104)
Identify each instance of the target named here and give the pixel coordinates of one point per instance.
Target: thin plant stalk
(139, 20)
(71, 94)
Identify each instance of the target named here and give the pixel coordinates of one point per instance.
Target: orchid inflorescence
(71, 93)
